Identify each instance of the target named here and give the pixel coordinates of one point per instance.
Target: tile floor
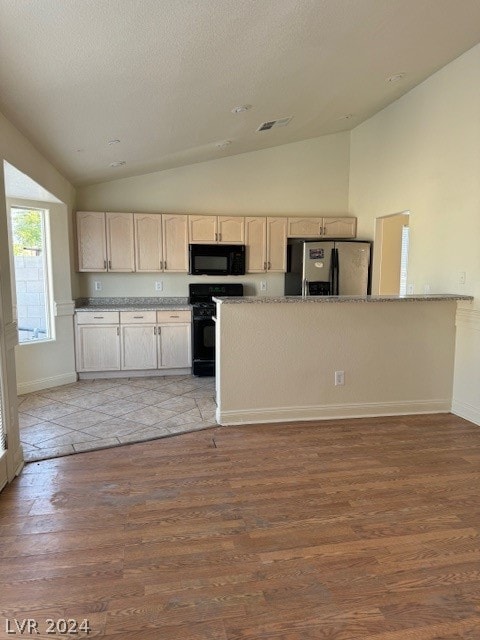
(95, 414)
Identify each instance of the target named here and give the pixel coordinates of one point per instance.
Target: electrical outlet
(97, 285)
(411, 289)
(159, 285)
(263, 285)
(462, 277)
(339, 378)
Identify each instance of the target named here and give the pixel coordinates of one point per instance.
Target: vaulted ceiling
(152, 83)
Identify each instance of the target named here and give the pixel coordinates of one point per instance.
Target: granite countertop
(132, 304)
(431, 297)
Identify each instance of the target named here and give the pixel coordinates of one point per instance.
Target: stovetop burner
(203, 309)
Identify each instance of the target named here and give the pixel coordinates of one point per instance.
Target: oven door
(203, 346)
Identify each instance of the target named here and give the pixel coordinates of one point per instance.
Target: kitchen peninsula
(278, 359)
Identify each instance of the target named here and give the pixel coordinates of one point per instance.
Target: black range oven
(203, 325)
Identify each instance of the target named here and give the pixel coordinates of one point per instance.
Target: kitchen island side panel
(277, 362)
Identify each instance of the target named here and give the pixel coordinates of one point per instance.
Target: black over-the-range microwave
(217, 259)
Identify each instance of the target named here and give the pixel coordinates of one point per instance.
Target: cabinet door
(174, 346)
(98, 347)
(175, 243)
(340, 227)
(120, 245)
(231, 230)
(256, 244)
(148, 242)
(202, 229)
(277, 244)
(305, 227)
(91, 241)
(139, 346)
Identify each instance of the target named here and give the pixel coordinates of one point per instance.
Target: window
(30, 249)
(404, 260)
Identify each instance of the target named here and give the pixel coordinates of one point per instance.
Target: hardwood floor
(346, 530)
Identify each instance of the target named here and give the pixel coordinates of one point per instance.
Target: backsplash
(173, 284)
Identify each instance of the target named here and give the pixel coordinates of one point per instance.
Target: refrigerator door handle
(337, 272)
(332, 273)
(304, 287)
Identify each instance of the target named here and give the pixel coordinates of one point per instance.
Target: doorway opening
(391, 248)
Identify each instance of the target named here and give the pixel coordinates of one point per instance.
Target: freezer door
(353, 268)
(317, 260)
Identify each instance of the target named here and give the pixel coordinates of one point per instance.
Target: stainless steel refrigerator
(323, 267)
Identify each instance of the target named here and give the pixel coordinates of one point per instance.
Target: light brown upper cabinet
(161, 242)
(148, 242)
(175, 243)
(216, 229)
(105, 241)
(266, 242)
(343, 227)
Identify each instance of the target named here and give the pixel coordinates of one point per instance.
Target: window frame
(47, 268)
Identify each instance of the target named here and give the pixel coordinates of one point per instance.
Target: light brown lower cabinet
(133, 341)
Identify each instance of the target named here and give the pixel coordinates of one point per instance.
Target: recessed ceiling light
(241, 108)
(223, 144)
(395, 78)
(115, 141)
(118, 163)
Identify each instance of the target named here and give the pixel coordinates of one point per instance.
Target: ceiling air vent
(282, 122)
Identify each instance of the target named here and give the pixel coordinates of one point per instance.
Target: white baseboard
(331, 412)
(18, 461)
(46, 383)
(143, 373)
(467, 411)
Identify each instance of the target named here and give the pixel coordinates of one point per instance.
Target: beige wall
(51, 363)
(422, 154)
(18, 151)
(278, 361)
(304, 178)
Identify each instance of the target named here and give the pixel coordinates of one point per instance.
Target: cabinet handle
(118, 331)
(174, 316)
(105, 265)
(154, 331)
(109, 264)
(264, 266)
(98, 317)
(219, 237)
(159, 330)
(165, 265)
(161, 265)
(269, 264)
(138, 317)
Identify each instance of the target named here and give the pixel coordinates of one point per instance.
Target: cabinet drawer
(138, 317)
(164, 317)
(97, 317)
